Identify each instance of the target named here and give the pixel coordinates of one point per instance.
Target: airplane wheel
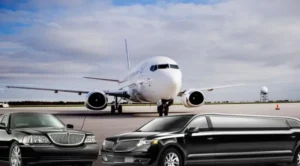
(160, 111)
(166, 111)
(120, 109)
(113, 109)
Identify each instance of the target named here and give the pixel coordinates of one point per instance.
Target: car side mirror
(70, 126)
(192, 130)
(3, 126)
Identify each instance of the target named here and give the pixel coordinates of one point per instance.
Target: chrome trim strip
(83, 138)
(239, 153)
(213, 133)
(216, 161)
(119, 142)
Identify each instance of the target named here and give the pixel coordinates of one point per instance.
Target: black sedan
(36, 138)
(207, 139)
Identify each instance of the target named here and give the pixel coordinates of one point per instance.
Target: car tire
(296, 161)
(15, 156)
(171, 157)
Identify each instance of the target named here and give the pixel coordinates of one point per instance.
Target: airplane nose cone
(172, 85)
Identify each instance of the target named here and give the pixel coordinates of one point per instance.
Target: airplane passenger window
(163, 66)
(174, 66)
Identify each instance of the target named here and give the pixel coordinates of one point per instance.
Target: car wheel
(171, 157)
(296, 161)
(15, 157)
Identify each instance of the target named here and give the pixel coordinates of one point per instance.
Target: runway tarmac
(103, 125)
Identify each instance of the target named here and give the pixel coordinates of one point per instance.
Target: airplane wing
(102, 79)
(213, 88)
(79, 92)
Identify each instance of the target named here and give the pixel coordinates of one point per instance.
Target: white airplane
(154, 80)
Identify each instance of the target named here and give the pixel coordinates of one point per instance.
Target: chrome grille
(126, 146)
(67, 139)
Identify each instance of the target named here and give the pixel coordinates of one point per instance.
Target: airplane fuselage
(152, 80)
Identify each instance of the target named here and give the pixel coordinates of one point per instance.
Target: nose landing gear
(163, 107)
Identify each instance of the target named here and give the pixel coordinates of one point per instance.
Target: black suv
(207, 139)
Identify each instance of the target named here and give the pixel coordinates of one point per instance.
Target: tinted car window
(5, 120)
(30, 120)
(247, 122)
(199, 122)
(171, 123)
(293, 123)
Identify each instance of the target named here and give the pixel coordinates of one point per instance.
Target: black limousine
(35, 138)
(207, 139)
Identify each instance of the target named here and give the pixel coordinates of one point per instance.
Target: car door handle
(210, 138)
(293, 136)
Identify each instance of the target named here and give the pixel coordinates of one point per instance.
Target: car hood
(135, 136)
(45, 130)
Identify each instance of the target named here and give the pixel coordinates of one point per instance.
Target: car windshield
(166, 124)
(33, 120)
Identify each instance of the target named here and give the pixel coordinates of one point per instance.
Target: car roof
(246, 115)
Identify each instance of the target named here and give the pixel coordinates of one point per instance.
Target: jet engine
(96, 100)
(193, 98)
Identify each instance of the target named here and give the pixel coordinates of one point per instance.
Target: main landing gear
(163, 107)
(116, 106)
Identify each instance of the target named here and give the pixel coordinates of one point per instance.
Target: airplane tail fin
(127, 54)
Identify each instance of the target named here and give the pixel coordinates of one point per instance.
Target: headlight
(147, 142)
(36, 139)
(107, 145)
(90, 139)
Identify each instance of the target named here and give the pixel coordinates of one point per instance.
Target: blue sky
(56, 43)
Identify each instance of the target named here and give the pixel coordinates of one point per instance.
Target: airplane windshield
(163, 66)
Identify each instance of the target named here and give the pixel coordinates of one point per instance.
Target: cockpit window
(153, 67)
(174, 66)
(163, 66)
